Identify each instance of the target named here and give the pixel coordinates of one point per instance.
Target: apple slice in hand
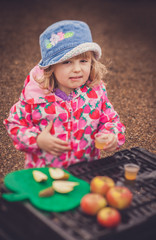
(58, 173)
(61, 186)
(39, 176)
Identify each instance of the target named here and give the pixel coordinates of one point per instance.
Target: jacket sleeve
(20, 127)
(110, 121)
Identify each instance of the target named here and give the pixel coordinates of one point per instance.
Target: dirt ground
(126, 31)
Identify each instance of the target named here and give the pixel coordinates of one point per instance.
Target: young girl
(64, 102)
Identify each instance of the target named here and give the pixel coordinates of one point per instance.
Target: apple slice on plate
(58, 173)
(39, 176)
(47, 192)
(61, 186)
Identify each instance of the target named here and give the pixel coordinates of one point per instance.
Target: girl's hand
(50, 143)
(111, 142)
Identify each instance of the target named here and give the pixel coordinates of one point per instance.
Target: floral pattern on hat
(55, 38)
(63, 37)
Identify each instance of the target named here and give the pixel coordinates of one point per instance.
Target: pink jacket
(88, 112)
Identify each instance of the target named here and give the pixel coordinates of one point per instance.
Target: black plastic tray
(22, 221)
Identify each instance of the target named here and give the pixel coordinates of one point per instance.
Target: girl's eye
(66, 62)
(84, 60)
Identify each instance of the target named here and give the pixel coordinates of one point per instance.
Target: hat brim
(70, 53)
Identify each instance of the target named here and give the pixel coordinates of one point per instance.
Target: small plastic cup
(100, 141)
(131, 171)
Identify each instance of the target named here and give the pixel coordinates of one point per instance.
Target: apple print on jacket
(88, 112)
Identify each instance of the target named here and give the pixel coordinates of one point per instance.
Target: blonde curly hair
(98, 70)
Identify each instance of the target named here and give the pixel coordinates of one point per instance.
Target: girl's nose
(76, 67)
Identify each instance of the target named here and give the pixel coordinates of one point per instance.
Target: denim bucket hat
(66, 39)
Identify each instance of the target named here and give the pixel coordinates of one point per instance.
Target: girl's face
(72, 73)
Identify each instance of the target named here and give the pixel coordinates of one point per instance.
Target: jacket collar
(32, 92)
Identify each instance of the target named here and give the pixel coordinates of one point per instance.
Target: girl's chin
(72, 86)
(76, 84)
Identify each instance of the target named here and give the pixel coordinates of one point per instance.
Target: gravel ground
(126, 31)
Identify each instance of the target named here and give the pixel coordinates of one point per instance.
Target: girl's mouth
(75, 78)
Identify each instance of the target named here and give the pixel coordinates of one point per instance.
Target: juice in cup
(100, 141)
(131, 171)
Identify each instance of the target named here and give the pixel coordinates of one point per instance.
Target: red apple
(91, 203)
(108, 217)
(119, 197)
(101, 184)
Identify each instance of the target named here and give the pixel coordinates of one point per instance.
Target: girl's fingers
(112, 144)
(55, 153)
(58, 152)
(63, 148)
(48, 128)
(61, 142)
(57, 148)
(111, 149)
(61, 145)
